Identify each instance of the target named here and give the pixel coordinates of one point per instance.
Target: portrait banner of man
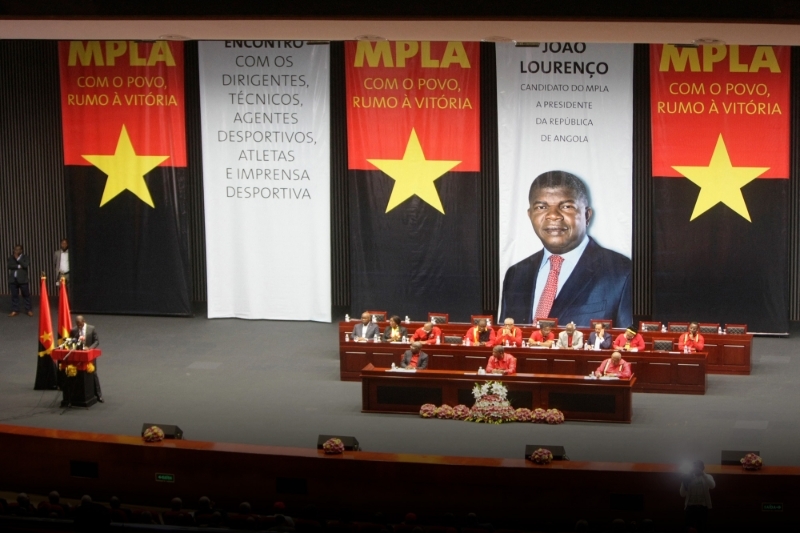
(565, 130)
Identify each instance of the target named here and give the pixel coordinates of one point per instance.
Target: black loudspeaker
(733, 457)
(559, 453)
(170, 431)
(350, 443)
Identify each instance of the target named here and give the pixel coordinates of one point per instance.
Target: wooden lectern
(78, 389)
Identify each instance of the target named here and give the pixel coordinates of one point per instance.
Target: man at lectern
(87, 336)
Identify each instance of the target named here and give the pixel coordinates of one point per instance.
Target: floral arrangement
(491, 405)
(751, 461)
(333, 446)
(539, 415)
(542, 456)
(90, 368)
(554, 416)
(523, 415)
(460, 412)
(445, 411)
(428, 410)
(153, 434)
(71, 371)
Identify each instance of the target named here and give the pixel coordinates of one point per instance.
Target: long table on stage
(594, 400)
(727, 354)
(670, 372)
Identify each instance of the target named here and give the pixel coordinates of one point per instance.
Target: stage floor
(277, 383)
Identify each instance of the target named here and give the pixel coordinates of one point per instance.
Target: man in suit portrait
(572, 278)
(366, 329)
(87, 337)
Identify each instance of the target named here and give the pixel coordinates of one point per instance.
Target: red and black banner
(413, 121)
(720, 133)
(125, 164)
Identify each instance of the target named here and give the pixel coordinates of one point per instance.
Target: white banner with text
(265, 111)
(565, 129)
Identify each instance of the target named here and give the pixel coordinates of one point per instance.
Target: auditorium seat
(380, 316)
(708, 328)
(735, 329)
(474, 318)
(607, 322)
(662, 345)
(649, 326)
(547, 321)
(302, 525)
(438, 318)
(677, 327)
(453, 339)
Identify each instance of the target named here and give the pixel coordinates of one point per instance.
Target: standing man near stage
(18, 264)
(86, 335)
(367, 329)
(61, 262)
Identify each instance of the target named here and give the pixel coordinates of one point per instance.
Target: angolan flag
(720, 124)
(413, 121)
(125, 168)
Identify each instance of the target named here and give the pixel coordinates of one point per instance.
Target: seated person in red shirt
(415, 358)
(501, 362)
(394, 332)
(630, 341)
(427, 334)
(509, 332)
(692, 339)
(480, 335)
(542, 337)
(614, 366)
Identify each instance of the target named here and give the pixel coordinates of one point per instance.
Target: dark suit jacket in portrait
(422, 362)
(92, 340)
(599, 287)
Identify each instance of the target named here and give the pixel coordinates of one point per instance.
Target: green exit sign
(772, 507)
(165, 478)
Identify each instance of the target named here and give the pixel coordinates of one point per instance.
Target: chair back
(453, 339)
(662, 345)
(547, 321)
(380, 316)
(708, 328)
(607, 322)
(735, 329)
(649, 326)
(438, 318)
(474, 319)
(678, 327)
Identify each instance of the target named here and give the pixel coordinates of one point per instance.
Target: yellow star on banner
(125, 170)
(721, 182)
(46, 336)
(414, 175)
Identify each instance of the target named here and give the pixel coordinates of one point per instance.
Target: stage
(277, 383)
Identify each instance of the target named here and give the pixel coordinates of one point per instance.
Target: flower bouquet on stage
(491, 405)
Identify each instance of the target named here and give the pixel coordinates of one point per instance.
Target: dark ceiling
(777, 11)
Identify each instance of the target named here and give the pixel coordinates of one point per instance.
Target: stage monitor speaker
(559, 453)
(350, 443)
(170, 431)
(733, 457)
